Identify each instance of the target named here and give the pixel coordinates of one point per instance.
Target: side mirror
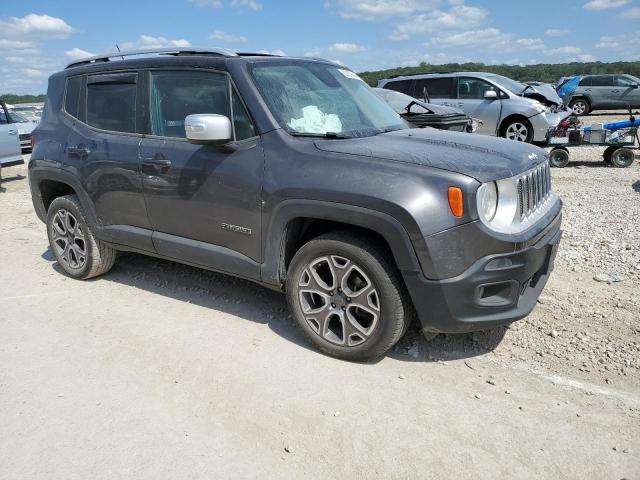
(490, 95)
(208, 128)
(634, 85)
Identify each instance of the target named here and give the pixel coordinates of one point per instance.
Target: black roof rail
(106, 57)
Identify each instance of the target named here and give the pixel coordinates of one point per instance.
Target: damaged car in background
(507, 108)
(423, 114)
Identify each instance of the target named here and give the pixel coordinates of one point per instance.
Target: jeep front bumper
(495, 290)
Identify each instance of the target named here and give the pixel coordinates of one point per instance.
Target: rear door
(471, 100)
(102, 149)
(627, 91)
(602, 92)
(9, 140)
(204, 201)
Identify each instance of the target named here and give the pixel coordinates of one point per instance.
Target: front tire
(346, 296)
(77, 250)
(518, 129)
(580, 106)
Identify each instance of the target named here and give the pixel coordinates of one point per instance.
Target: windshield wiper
(333, 135)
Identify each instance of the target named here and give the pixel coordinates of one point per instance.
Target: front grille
(533, 189)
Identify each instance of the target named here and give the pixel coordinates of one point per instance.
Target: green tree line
(542, 72)
(12, 98)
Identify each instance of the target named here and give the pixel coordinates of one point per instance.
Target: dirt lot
(159, 370)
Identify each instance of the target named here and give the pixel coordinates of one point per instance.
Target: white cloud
(485, 36)
(632, 13)
(604, 4)
(459, 17)
(530, 43)
(556, 32)
(346, 48)
(252, 4)
(371, 10)
(77, 53)
(567, 50)
(623, 45)
(149, 41)
(206, 3)
(33, 73)
(227, 37)
(33, 25)
(14, 44)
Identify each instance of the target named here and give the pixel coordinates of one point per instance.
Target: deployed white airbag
(315, 121)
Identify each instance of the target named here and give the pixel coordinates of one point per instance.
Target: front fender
(388, 227)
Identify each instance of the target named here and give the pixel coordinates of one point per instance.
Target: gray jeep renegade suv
(293, 173)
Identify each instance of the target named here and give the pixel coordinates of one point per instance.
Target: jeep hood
(481, 157)
(545, 94)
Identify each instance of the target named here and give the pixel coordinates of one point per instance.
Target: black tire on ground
(580, 106)
(80, 254)
(607, 154)
(622, 157)
(518, 129)
(334, 334)
(559, 157)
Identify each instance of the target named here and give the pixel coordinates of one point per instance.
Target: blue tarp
(568, 87)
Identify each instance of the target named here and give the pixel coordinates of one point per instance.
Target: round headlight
(487, 201)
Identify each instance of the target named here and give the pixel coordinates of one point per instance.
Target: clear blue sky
(37, 37)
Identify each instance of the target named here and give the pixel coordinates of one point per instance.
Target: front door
(627, 92)
(471, 100)
(203, 201)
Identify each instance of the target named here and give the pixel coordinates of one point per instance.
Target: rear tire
(622, 157)
(580, 106)
(346, 296)
(559, 157)
(518, 129)
(77, 250)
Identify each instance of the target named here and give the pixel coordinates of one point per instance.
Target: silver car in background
(507, 108)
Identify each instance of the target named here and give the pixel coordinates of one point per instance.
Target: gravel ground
(160, 370)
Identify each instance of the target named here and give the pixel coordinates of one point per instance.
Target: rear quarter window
(72, 96)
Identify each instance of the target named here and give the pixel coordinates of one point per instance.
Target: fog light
(499, 264)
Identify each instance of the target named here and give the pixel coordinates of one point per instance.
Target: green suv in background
(603, 92)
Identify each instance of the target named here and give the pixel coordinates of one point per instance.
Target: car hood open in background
(481, 157)
(545, 94)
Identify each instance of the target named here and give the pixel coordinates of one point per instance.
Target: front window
(309, 98)
(473, 88)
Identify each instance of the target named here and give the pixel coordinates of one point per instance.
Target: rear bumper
(495, 290)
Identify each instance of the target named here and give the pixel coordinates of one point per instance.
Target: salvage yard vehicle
(24, 126)
(587, 93)
(293, 173)
(9, 141)
(423, 114)
(506, 107)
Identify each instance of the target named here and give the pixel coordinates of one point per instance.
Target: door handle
(157, 163)
(79, 151)
(615, 91)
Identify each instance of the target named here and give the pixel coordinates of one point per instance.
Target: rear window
(112, 106)
(602, 81)
(436, 87)
(72, 96)
(402, 86)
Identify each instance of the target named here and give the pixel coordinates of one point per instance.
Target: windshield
(319, 99)
(509, 84)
